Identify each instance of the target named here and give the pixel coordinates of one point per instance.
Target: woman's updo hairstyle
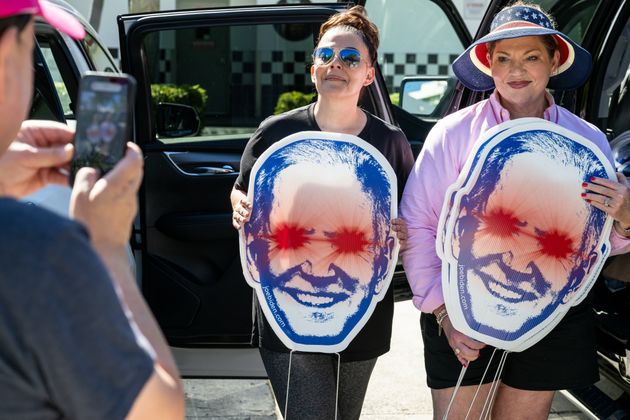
(354, 20)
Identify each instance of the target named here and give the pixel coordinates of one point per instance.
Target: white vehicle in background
(59, 62)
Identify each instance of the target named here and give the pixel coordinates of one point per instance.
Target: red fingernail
(583, 195)
(584, 184)
(592, 178)
(465, 364)
(588, 201)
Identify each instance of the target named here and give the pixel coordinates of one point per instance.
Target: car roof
(74, 12)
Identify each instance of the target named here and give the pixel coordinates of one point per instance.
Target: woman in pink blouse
(519, 58)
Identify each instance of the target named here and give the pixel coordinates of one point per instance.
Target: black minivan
(251, 61)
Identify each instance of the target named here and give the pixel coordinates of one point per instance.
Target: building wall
(415, 40)
(471, 10)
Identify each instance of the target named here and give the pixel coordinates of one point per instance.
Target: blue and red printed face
(523, 238)
(320, 248)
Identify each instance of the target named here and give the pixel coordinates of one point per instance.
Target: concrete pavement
(397, 390)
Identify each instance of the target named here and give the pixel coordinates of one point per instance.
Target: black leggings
(312, 389)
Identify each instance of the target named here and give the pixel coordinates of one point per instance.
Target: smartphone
(104, 120)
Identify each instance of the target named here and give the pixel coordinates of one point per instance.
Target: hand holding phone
(104, 121)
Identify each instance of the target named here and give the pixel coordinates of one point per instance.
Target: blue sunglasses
(348, 56)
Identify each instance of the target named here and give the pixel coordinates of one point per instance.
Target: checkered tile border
(395, 66)
(291, 68)
(287, 68)
(165, 69)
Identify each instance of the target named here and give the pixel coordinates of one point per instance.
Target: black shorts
(566, 358)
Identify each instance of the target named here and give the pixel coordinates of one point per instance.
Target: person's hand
(107, 206)
(610, 196)
(466, 349)
(242, 212)
(400, 229)
(35, 158)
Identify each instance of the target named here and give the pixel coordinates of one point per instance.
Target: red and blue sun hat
(53, 14)
(473, 69)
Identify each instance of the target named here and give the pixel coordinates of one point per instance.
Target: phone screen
(103, 121)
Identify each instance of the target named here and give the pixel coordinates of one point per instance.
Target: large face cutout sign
(318, 248)
(519, 246)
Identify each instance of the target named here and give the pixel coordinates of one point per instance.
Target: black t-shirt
(67, 349)
(374, 338)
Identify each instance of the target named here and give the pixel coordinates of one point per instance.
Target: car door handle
(210, 170)
(191, 164)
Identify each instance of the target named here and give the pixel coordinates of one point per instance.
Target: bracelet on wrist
(440, 317)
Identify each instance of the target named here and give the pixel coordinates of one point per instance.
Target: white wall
(472, 11)
(413, 39)
(412, 26)
(84, 7)
(107, 28)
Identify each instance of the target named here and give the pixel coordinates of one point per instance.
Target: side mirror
(420, 95)
(177, 120)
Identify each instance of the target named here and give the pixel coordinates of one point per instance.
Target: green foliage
(192, 95)
(395, 98)
(291, 100)
(64, 97)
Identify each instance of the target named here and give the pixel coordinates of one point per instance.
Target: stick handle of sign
(337, 391)
(286, 400)
(485, 372)
(487, 406)
(459, 383)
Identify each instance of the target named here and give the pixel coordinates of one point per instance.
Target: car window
(45, 103)
(97, 55)
(572, 17)
(60, 69)
(234, 76)
(614, 101)
(404, 53)
(60, 86)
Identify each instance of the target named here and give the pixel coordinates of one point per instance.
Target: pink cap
(53, 14)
